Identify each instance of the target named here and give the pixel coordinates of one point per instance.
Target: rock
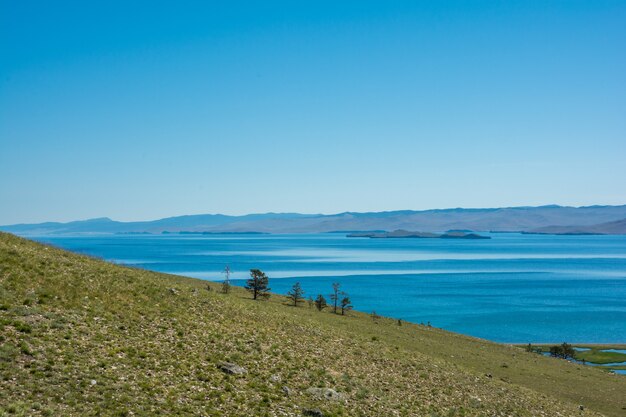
(93, 382)
(324, 393)
(232, 368)
(312, 412)
(275, 378)
(287, 390)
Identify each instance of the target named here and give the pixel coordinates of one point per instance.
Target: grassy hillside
(82, 337)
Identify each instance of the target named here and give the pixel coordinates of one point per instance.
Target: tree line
(340, 301)
(563, 351)
(258, 286)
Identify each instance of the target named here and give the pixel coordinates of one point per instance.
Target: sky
(141, 110)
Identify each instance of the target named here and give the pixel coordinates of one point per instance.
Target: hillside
(80, 337)
(609, 228)
(487, 219)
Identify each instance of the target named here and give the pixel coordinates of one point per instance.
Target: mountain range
(552, 219)
(617, 227)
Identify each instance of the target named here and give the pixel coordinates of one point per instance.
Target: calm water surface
(511, 288)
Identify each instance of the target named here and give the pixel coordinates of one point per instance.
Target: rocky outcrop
(325, 394)
(232, 368)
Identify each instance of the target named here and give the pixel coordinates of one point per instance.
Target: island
(451, 234)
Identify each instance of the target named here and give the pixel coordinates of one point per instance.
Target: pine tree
(345, 304)
(334, 297)
(568, 351)
(556, 351)
(258, 284)
(226, 282)
(320, 302)
(563, 351)
(296, 294)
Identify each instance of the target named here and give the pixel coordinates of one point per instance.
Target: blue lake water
(512, 288)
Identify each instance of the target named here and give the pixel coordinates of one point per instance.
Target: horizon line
(319, 214)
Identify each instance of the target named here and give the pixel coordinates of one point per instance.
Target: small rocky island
(451, 234)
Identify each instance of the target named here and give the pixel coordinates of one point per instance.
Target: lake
(512, 288)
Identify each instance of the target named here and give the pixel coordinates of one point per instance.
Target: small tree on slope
(226, 282)
(296, 294)
(346, 304)
(258, 284)
(334, 297)
(320, 302)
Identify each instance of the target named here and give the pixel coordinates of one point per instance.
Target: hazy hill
(491, 219)
(609, 228)
(82, 337)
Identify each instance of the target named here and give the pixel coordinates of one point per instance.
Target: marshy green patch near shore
(609, 357)
(82, 337)
(601, 354)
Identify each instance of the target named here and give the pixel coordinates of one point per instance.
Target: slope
(82, 337)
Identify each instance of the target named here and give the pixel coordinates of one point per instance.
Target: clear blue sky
(140, 110)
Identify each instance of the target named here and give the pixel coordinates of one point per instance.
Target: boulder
(275, 378)
(232, 368)
(324, 393)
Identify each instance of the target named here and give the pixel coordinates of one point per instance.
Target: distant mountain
(609, 228)
(523, 219)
